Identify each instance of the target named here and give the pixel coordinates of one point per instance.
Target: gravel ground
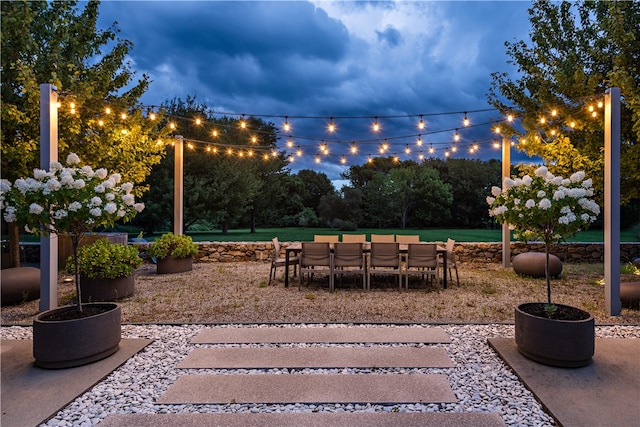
(238, 293)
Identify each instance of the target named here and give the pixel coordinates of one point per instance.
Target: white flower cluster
(554, 207)
(68, 195)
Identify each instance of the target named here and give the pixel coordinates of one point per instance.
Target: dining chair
(451, 260)
(349, 258)
(354, 238)
(326, 238)
(383, 238)
(316, 257)
(422, 259)
(407, 238)
(279, 261)
(384, 259)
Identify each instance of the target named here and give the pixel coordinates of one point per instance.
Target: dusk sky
(332, 59)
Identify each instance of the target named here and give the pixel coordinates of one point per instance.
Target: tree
(55, 42)
(577, 51)
(224, 175)
(469, 180)
(316, 185)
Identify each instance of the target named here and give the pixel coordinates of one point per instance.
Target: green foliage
(578, 50)
(178, 246)
(107, 260)
(57, 43)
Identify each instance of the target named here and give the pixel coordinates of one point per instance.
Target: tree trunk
(14, 245)
(225, 227)
(253, 221)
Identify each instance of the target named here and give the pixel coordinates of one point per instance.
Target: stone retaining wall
(466, 252)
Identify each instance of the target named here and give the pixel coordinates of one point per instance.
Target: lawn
(437, 234)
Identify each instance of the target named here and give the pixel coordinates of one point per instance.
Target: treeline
(241, 181)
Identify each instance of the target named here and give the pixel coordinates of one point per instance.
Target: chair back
(404, 238)
(422, 255)
(450, 245)
(383, 238)
(276, 248)
(385, 254)
(348, 255)
(315, 253)
(326, 238)
(354, 238)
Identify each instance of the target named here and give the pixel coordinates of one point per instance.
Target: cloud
(325, 59)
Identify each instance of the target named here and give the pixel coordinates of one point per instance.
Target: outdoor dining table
(296, 247)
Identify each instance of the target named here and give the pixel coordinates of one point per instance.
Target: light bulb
(465, 121)
(419, 141)
(198, 121)
(107, 110)
(286, 125)
(421, 123)
(376, 126)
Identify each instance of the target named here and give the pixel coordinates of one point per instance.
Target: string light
(456, 136)
(419, 141)
(465, 121)
(332, 126)
(376, 126)
(198, 121)
(214, 133)
(354, 148)
(286, 126)
(431, 149)
(107, 110)
(421, 123)
(407, 149)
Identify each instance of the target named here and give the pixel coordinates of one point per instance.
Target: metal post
(48, 154)
(613, 305)
(506, 173)
(178, 195)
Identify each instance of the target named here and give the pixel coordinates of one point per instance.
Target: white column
(506, 173)
(612, 304)
(48, 154)
(178, 195)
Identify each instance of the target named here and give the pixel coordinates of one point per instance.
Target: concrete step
(309, 388)
(316, 357)
(322, 419)
(328, 334)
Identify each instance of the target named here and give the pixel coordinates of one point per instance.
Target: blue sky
(332, 59)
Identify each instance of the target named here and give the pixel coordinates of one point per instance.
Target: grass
(436, 234)
(291, 234)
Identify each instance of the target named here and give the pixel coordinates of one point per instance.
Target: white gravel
(480, 380)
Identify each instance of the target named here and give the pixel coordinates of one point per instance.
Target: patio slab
(353, 419)
(31, 395)
(604, 393)
(316, 357)
(309, 388)
(276, 335)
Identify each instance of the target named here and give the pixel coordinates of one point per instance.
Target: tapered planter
(174, 265)
(68, 343)
(101, 289)
(555, 342)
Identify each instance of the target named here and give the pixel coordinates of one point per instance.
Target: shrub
(178, 246)
(103, 259)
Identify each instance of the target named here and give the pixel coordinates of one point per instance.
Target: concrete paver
(307, 420)
(316, 357)
(30, 395)
(309, 388)
(604, 393)
(277, 335)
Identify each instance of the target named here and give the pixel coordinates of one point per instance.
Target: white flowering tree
(545, 208)
(68, 200)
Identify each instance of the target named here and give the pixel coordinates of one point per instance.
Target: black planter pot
(174, 265)
(555, 342)
(68, 343)
(101, 289)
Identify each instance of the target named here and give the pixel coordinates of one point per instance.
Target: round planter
(174, 265)
(101, 289)
(555, 342)
(74, 342)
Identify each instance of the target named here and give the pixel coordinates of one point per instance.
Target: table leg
(286, 268)
(444, 268)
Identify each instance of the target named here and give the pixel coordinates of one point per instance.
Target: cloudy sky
(310, 61)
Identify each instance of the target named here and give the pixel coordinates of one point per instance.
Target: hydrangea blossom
(68, 200)
(555, 207)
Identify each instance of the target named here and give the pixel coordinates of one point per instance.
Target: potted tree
(106, 270)
(71, 200)
(549, 208)
(174, 253)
